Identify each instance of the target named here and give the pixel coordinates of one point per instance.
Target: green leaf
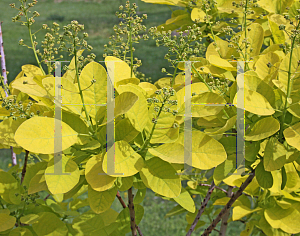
(203, 156)
(121, 69)
(8, 129)
(38, 182)
(269, 230)
(186, 201)
(61, 183)
(6, 222)
(177, 210)
(285, 219)
(101, 201)
(124, 102)
(239, 212)
(262, 129)
(127, 161)
(284, 178)
(37, 135)
(7, 184)
(200, 110)
(256, 103)
(31, 70)
(93, 93)
(284, 69)
(264, 178)
(161, 177)
(221, 63)
(125, 131)
(138, 114)
(124, 183)
(20, 232)
(95, 175)
(277, 6)
(54, 225)
(71, 99)
(277, 34)
(274, 155)
(251, 150)
(223, 170)
(292, 135)
(87, 223)
(139, 196)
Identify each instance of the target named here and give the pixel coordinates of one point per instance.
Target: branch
(121, 200)
(13, 156)
(201, 210)
(124, 206)
(226, 215)
(25, 166)
(2, 58)
(46, 197)
(208, 185)
(229, 204)
(131, 211)
(3, 67)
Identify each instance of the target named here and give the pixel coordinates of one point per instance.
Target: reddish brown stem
(202, 208)
(132, 213)
(121, 200)
(124, 206)
(25, 166)
(225, 217)
(229, 204)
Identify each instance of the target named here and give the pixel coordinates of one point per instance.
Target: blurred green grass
(98, 18)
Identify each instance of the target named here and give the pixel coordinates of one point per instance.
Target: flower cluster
(182, 47)
(129, 31)
(54, 42)
(161, 100)
(17, 109)
(72, 42)
(23, 11)
(217, 84)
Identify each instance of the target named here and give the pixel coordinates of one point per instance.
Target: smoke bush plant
(149, 124)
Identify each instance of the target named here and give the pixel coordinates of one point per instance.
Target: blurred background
(98, 17)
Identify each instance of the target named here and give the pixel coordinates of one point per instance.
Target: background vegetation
(98, 18)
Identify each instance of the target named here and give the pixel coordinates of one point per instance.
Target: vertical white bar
(240, 120)
(110, 127)
(188, 120)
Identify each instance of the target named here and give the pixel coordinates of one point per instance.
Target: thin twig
(25, 166)
(208, 185)
(225, 217)
(139, 230)
(124, 206)
(46, 197)
(132, 213)
(201, 210)
(229, 204)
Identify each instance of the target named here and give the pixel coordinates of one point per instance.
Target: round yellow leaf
(37, 135)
